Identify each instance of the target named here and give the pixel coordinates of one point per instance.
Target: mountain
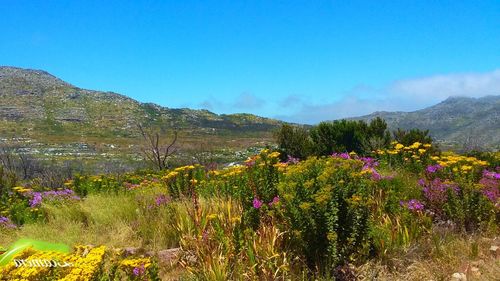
(455, 121)
(36, 100)
(44, 114)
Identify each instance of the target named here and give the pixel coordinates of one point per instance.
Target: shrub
(325, 210)
(412, 136)
(293, 141)
(339, 136)
(345, 135)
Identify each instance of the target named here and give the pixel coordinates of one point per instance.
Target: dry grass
(437, 258)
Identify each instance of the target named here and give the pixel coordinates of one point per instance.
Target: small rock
(475, 271)
(458, 276)
(167, 256)
(494, 251)
(130, 251)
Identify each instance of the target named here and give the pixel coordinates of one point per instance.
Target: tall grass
(115, 220)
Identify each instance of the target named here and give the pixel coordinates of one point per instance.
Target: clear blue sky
(302, 61)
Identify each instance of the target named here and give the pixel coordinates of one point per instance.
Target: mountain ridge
(32, 95)
(456, 120)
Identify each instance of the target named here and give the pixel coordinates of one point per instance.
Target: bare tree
(6, 159)
(27, 165)
(156, 150)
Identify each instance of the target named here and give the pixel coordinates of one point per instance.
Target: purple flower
(276, 199)
(491, 185)
(375, 175)
(343, 155)
(36, 200)
(162, 199)
(433, 168)
(413, 205)
(491, 175)
(421, 182)
(257, 203)
(369, 162)
(138, 271)
(37, 197)
(5, 222)
(436, 191)
(292, 160)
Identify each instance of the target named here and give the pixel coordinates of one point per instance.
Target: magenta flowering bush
(436, 192)
(52, 195)
(468, 203)
(490, 183)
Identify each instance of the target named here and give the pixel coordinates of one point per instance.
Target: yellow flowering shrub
(84, 264)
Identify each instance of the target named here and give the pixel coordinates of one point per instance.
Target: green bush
(346, 135)
(412, 136)
(326, 211)
(293, 141)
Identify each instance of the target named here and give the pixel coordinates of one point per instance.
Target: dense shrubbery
(294, 141)
(341, 136)
(271, 219)
(412, 136)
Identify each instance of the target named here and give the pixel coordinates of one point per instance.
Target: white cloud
(400, 95)
(440, 87)
(347, 107)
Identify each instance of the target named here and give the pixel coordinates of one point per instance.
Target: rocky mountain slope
(38, 102)
(456, 121)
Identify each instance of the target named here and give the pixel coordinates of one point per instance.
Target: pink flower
(276, 199)
(257, 203)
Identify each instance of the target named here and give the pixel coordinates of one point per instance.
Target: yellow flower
(415, 145)
(466, 168)
(138, 262)
(212, 217)
(274, 155)
(356, 198)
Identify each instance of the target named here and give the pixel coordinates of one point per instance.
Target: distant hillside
(37, 100)
(453, 121)
(46, 115)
